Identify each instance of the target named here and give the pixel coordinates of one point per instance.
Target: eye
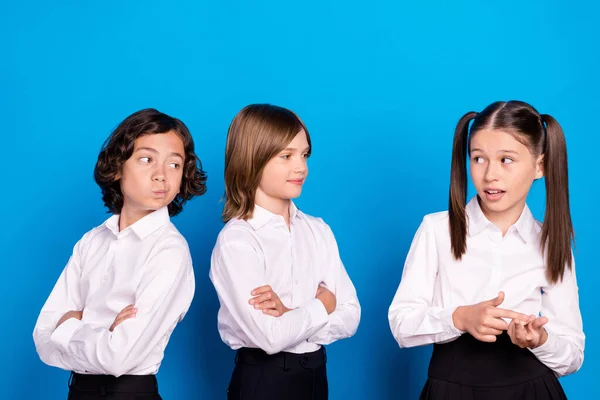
(478, 160)
(507, 160)
(306, 155)
(285, 156)
(174, 165)
(145, 160)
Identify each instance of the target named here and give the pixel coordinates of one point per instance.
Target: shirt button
(105, 277)
(296, 281)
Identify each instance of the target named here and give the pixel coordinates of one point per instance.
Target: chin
(294, 194)
(157, 205)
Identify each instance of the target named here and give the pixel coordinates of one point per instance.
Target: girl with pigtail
(492, 288)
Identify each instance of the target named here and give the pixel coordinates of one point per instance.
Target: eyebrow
(151, 150)
(499, 151)
(294, 148)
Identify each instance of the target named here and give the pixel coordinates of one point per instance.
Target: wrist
(543, 338)
(457, 318)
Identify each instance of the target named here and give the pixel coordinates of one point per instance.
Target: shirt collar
(477, 221)
(144, 226)
(261, 216)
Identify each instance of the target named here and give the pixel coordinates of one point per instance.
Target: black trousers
(107, 387)
(467, 369)
(281, 376)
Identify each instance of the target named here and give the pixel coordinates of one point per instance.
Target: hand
(484, 320)
(71, 314)
(530, 333)
(267, 300)
(126, 313)
(327, 298)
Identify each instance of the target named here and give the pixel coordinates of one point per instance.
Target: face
(151, 177)
(502, 170)
(284, 174)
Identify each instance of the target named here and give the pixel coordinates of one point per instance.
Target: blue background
(380, 86)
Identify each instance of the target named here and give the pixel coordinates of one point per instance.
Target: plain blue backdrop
(380, 86)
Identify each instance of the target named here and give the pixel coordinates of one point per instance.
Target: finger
(530, 318)
(263, 297)
(496, 301)
(486, 338)
(127, 312)
(118, 321)
(261, 290)
(265, 305)
(534, 333)
(511, 331)
(127, 308)
(514, 339)
(503, 313)
(512, 327)
(520, 330)
(537, 323)
(272, 312)
(495, 323)
(527, 334)
(490, 331)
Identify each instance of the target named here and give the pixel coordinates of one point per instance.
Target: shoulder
(94, 236)
(319, 228)
(171, 237)
(236, 230)
(171, 247)
(237, 234)
(437, 222)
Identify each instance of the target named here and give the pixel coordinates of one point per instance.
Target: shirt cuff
(449, 322)
(547, 349)
(63, 334)
(317, 312)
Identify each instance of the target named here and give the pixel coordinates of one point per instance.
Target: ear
(539, 167)
(118, 174)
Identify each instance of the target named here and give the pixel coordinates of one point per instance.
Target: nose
(492, 172)
(300, 167)
(159, 173)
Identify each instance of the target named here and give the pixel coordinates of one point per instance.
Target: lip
(159, 193)
(493, 194)
(297, 182)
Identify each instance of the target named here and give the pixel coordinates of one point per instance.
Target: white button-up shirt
(434, 284)
(147, 264)
(294, 261)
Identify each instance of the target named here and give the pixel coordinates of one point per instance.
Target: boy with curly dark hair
(130, 280)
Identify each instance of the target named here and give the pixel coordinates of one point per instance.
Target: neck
(503, 219)
(130, 217)
(276, 206)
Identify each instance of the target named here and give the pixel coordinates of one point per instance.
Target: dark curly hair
(119, 146)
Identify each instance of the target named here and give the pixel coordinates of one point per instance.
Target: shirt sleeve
(343, 321)
(563, 351)
(237, 269)
(163, 297)
(413, 320)
(65, 296)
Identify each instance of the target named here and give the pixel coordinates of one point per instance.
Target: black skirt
(467, 369)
